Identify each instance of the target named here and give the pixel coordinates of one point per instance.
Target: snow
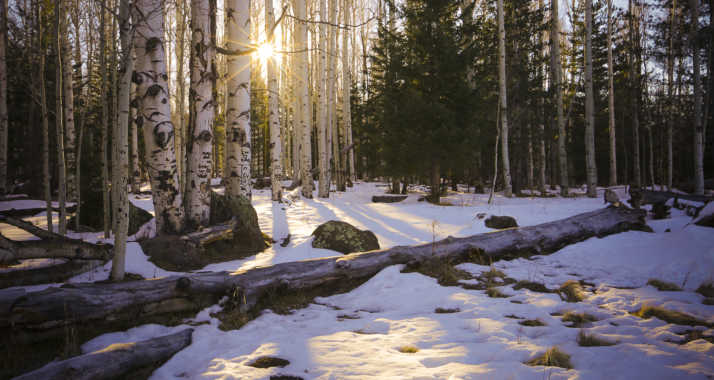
(357, 335)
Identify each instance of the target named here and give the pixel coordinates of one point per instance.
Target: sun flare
(265, 51)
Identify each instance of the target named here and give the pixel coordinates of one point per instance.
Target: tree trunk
(45, 124)
(155, 116)
(347, 66)
(304, 144)
(135, 169)
(31, 318)
(591, 168)
(322, 103)
(105, 122)
(276, 149)
(635, 91)
(502, 97)
(697, 117)
(181, 83)
(611, 99)
(120, 156)
(59, 119)
(68, 103)
(556, 75)
(115, 361)
(202, 114)
(236, 174)
(3, 99)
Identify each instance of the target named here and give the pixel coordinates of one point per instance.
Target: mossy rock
(172, 252)
(343, 237)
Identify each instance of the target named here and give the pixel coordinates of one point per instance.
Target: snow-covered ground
(358, 335)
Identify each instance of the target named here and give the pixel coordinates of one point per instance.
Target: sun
(265, 51)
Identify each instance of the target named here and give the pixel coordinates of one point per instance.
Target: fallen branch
(52, 245)
(115, 361)
(39, 316)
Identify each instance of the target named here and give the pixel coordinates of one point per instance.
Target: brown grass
(495, 293)
(669, 316)
(578, 319)
(706, 289)
(408, 349)
(663, 286)
(532, 323)
(268, 361)
(591, 340)
(532, 286)
(571, 291)
(441, 310)
(554, 357)
(445, 273)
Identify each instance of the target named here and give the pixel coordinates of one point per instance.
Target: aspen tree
(503, 100)
(202, 114)
(155, 115)
(276, 150)
(591, 168)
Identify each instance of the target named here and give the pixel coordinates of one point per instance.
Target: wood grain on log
(114, 361)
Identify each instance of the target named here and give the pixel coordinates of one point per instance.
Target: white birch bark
(236, 175)
(68, 103)
(181, 20)
(698, 128)
(348, 160)
(507, 191)
(106, 219)
(611, 99)
(304, 145)
(591, 168)
(556, 86)
(120, 151)
(3, 98)
(323, 182)
(276, 150)
(202, 105)
(155, 115)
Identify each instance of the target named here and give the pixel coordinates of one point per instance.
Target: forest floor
(406, 325)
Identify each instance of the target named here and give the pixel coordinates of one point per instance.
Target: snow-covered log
(51, 245)
(102, 306)
(652, 196)
(115, 361)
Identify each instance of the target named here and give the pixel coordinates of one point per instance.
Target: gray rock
(343, 237)
(500, 222)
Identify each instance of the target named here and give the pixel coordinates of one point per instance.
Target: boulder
(500, 222)
(344, 238)
(388, 198)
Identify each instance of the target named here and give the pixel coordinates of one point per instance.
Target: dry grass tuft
(554, 357)
(445, 273)
(532, 286)
(692, 335)
(591, 340)
(706, 289)
(441, 310)
(571, 291)
(578, 319)
(663, 286)
(532, 323)
(268, 361)
(408, 349)
(495, 293)
(669, 316)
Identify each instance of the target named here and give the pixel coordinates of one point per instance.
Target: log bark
(52, 245)
(116, 360)
(50, 274)
(135, 302)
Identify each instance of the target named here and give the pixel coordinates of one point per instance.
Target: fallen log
(51, 245)
(48, 274)
(117, 360)
(44, 315)
(652, 197)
